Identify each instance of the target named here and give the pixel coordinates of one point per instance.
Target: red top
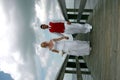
(57, 27)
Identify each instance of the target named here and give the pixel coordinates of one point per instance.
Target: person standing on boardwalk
(66, 27)
(60, 46)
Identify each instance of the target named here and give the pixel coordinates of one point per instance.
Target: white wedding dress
(77, 28)
(76, 48)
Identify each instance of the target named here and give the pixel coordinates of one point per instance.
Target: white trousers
(77, 28)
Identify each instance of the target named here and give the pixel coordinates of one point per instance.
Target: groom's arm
(68, 22)
(58, 39)
(62, 21)
(56, 21)
(59, 34)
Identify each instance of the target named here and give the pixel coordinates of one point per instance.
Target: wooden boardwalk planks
(105, 38)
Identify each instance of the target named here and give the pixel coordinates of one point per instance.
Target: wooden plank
(86, 72)
(61, 72)
(80, 57)
(79, 74)
(70, 71)
(81, 9)
(104, 59)
(117, 52)
(71, 57)
(83, 65)
(73, 65)
(78, 22)
(74, 16)
(62, 5)
(76, 10)
(74, 72)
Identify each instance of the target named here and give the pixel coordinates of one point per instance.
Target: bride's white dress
(76, 48)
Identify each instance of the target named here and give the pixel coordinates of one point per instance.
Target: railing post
(81, 9)
(79, 75)
(63, 9)
(60, 75)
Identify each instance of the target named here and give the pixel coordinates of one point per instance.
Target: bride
(76, 47)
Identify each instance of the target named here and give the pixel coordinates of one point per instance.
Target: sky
(5, 76)
(20, 53)
(21, 57)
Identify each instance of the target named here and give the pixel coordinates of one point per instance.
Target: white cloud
(43, 55)
(53, 68)
(40, 13)
(16, 57)
(10, 65)
(52, 71)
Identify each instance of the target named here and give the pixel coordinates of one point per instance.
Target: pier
(103, 63)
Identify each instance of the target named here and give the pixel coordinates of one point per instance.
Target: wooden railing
(77, 64)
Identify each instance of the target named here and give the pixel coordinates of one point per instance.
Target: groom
(66, 27)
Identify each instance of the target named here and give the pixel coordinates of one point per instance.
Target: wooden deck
(104, 61)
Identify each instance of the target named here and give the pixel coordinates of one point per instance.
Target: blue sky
(5, 76)
(20, 36)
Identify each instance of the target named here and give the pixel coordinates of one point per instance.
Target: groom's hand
(68, 22)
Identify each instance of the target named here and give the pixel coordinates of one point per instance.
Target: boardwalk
(104, 61)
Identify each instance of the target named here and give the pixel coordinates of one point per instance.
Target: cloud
(47, 10)
(52, 71)
(53, 68)
(40, 12)
(16, 66)
(43, 55)
(17, 39)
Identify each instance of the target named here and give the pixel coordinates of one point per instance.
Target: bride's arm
(54, 50)
(58, 52)
(58, 39)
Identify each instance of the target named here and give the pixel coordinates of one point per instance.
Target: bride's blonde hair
(43, 45)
